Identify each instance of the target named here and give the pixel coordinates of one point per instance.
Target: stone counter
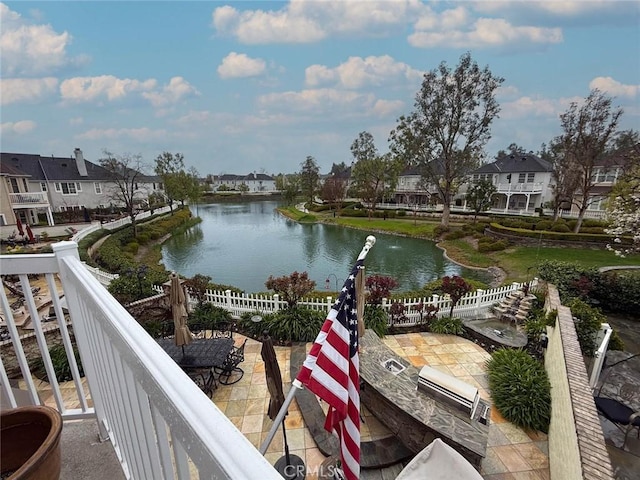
(413, 416)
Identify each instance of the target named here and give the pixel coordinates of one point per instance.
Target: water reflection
(242, 244)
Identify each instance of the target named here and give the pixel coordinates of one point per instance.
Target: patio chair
(204, 380)
(223, 330)
(230, 373)
(621, 415)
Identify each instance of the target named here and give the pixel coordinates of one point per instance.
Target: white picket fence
(471, 305)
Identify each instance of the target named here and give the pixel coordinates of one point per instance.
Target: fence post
(329, 302)
(229, 305)
(276, 302)
(479, 293)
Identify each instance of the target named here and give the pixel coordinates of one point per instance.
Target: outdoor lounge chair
(230, 372)
(205, 380)
(621, 415)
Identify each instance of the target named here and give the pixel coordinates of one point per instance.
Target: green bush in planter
(376, 319)
(520, 389)
(60, 364)
(447, 325)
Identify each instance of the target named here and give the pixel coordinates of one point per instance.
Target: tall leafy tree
(170, 167)
(588, 130)
(125, 172)
(479, 196)
(290, 188)
(373, 175)
(565, 176)
(334, 190)
(446, 133)
(309, 177)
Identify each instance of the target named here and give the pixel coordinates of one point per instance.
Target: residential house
(42, 185)
(253, 182)
(523, 182)
(411, 189)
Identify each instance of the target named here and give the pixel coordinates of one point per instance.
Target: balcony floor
(84, 456)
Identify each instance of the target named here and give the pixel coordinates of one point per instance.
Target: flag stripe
(331, 371)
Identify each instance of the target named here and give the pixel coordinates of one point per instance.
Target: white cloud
(385, 108)
(15, 90)
(524, 107)
(486, 32)
(138, 134)
(613, 87)
(304, 21)
(20, 128)
(194, 118)
(32, 49)
(239, 65)
(88, 89)
(358, 72)
(316, 101)
(177, 89)
(76, 121)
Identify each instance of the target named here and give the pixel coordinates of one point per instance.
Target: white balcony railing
(28, 199)
(160, 423)
(519, 187)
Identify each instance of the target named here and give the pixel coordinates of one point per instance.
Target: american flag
(332, 371)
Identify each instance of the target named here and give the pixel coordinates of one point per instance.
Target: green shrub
(615, 342)
(208, 316)
(60, 364)
(520, 389)
(587, 321)
(376, 319)
(454, 235)
(544, 225)
(560, 227)
(618, 291)
(289, 325)
(439, 230)
(447, 325)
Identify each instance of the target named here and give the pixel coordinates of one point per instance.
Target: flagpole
(296, 384)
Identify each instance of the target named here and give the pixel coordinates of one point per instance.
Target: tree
(512, 149)
(339, 169)
(197, 287)
(290, 188)
(334, 190)
(309, 176)
(194, 189)
(587, 133)
(291, 288)
(125, 171)
(379, 287)
(565, 176)
(624, 212)
(170, 168)
(479, 196)
(456, 287)
(373, 175)
(446, 133)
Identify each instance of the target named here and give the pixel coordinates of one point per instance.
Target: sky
(241, 87)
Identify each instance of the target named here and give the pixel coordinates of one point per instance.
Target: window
(24, 184)
(14, 185)
(97, 187)
(68, 188)
(43, 186)
(530, 177)
(3, 220)
(522, 177)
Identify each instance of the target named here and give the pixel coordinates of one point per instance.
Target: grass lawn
(408, 227)
(520, 262)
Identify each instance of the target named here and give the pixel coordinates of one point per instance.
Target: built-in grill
(453, 391)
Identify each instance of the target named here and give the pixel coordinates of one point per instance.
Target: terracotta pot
(30, 448)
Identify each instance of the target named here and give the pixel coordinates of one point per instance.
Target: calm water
(242, 244)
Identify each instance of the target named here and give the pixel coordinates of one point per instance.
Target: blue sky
(239, 87)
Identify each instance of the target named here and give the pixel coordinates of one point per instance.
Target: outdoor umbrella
(177, 298)
(30, 234)
(290, 466)
(274, 378)
(19, 226)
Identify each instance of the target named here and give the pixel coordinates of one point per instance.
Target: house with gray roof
(37, 184)
(253, 182)
(523, 181)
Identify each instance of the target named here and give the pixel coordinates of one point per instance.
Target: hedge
(555, 236)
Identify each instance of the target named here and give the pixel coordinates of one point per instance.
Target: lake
(241, 244)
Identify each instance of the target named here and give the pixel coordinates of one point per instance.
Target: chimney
(82, 168)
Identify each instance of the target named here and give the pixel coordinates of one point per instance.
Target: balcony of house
(29, 200)
(153, 419)
(519, 187)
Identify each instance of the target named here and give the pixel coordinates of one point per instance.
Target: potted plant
(30, 447)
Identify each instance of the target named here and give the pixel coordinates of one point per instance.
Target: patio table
(200, 353)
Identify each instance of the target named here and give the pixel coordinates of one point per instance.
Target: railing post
(276, 302)
(69, 250)
(329, 302)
